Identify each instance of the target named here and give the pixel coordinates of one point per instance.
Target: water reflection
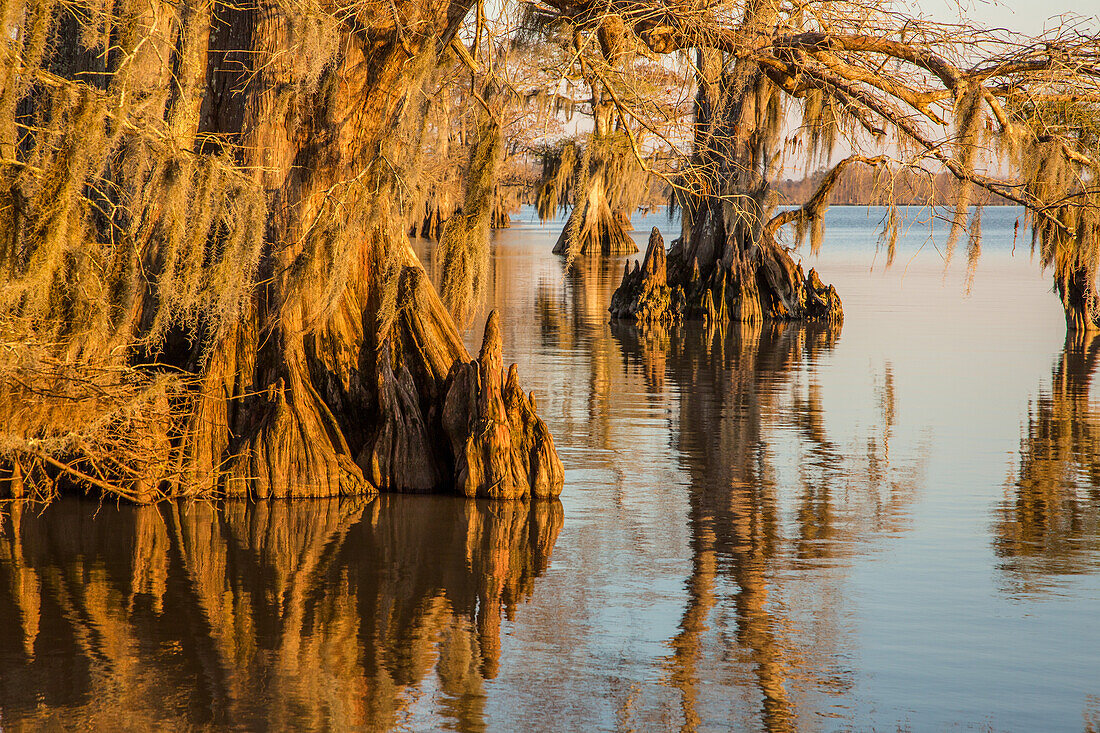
(572, 317)
(1050, 522)
(733, 557)
(310, 614)
(761, 526)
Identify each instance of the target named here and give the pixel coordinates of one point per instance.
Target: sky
(1027, 16)
(1030, 17)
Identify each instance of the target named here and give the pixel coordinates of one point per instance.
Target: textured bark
(322, 387)
(503, 206)
(775, 289)
(607, 176)
(432, 225)
(726, 264)
(644, 293)
(502, 449)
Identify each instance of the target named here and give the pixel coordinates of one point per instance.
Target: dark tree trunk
(504, 203)
(431, 226)
(345, 406)
(290, 440)
(772, 288)
(1079, 300)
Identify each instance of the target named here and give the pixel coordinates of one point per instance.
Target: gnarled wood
(502, 449)
(254, 240)
(771, 287)
(593, 228)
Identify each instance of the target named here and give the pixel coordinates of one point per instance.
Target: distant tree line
(871, 187)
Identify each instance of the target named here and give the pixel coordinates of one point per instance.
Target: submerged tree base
(1077, 291)
(769, 287)
(441, 424)
(596, 231)
(501, 448)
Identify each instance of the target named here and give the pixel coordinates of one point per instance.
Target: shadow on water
(1049, 522)
(307, 614)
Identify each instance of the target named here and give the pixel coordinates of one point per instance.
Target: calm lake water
(893, 526)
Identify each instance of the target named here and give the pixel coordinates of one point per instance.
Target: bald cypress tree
(206, 204)
(1001, 112)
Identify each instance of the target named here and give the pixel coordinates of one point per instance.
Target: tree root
(771, 287)
(502, 449)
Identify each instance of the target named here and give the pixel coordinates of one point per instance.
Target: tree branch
(820, 197)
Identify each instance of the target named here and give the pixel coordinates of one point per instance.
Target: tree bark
(600, 219)
(593, 227)
(504, 203)
(344, 407)
(771, 288)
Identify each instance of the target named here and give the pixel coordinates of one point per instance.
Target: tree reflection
(307, 614)
(571, 311)
(775, 501)
(1050, 521)
(766, 526)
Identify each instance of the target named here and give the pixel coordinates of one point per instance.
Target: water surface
(895, 525)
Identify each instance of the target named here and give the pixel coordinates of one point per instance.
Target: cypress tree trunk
(600, 219)
(593, 225)
(727, 265)
(1078, 299)
(330, 374)
(505, 201)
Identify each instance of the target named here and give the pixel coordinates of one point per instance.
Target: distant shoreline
(869, 187)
